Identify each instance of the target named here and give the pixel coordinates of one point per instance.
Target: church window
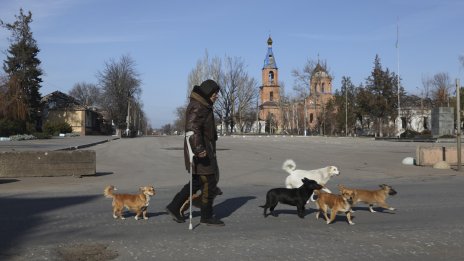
(311, 118)
(322, 87)
(271, 96)
(271, 77)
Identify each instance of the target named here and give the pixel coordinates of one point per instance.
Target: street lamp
(128, 115)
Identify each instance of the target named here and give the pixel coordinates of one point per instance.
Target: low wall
(428, 156)
(47, 163)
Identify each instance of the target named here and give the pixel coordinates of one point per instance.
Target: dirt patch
(87, 252)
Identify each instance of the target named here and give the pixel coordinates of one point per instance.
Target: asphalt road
(67, 218)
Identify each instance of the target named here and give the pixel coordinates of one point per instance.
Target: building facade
(320, 93)
(59, 107)
(277, 117)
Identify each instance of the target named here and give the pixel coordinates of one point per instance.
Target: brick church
(276, 117)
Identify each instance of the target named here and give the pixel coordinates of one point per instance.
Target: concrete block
(47, 163)
(442, 121)
(429, 156)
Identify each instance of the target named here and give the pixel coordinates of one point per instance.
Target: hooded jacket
(200, 120)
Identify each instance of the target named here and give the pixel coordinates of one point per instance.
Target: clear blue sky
(166, 39)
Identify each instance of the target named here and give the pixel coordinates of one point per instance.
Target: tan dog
(335, 203)
(196, 203)
(137, 203)
(371, 197)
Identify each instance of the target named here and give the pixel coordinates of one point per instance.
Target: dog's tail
(108, 192)
(289, 165)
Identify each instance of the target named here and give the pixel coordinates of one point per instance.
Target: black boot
(207, 217)
(213, 221)
(173, 208)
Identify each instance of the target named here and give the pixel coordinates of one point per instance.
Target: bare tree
(87, 94)
(3, 95)
(199, 73)
(238, 90)
(246, 99)
(233, 79)
(426, 86)
(167, 129)
(179, 123)
(120, 84)
(441, 85)
(303, 77)
(13, 104)
(461, 60)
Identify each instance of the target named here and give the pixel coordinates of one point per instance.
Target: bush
(42, 135)
(10, 127)
(55, 128)
(409, 134)
(426, 134)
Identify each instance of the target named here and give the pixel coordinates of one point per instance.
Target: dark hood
(206, 89)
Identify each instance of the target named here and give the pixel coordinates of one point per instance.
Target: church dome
(320, 71)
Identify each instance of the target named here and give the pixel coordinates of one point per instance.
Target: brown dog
(196, 201)
(335, 203)
(137, 203)
(371, 197)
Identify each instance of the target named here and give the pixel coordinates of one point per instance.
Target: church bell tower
(269, 93)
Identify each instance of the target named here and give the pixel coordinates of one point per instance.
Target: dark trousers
(208, 186)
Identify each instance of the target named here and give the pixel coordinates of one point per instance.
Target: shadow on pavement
(377, 209)
(5, 181)
(21, 215)
(229, 206)
(98, 174)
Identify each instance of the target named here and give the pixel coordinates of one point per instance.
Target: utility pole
(398, 80)
(128, 116)
(458, 122)
(346, 111)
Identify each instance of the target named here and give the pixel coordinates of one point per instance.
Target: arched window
(271, 96)
(322, 87)
(311, 118)
(271, 77)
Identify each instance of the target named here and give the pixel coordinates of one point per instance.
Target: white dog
(321, 176)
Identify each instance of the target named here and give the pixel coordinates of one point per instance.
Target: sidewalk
(55, 143)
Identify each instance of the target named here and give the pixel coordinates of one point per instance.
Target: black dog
(294, 197)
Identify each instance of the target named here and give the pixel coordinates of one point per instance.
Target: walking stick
(187, 137)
